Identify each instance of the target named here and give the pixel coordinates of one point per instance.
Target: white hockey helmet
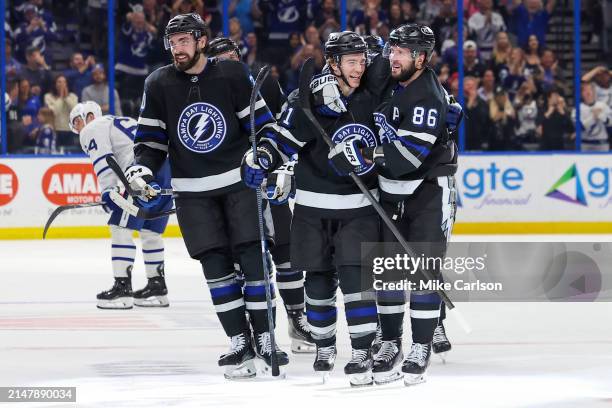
(81, 110)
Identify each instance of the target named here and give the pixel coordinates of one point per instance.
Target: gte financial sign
(491, 186)
(71, 183)
(594, 184)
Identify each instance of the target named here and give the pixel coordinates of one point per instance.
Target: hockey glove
(253, 173)
(454, 114)
(280, 185)
(141, 178)
(346, 156)
(109, 205)
(328, 100)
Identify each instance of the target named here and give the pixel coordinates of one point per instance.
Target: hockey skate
(263, 350)
(152, 295)
(416, 363)
(117, 297)
(239, 361)
(441, 345)
(359, 368)
(324, 361)
(377, 341)
(299, 332)
(387, 362)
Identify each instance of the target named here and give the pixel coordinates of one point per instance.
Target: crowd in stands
(515, 94)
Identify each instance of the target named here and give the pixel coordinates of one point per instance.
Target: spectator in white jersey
(594, 118)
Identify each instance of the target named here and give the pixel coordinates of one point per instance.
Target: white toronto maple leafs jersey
(109, 136)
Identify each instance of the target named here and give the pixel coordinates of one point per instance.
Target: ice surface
(51, 334)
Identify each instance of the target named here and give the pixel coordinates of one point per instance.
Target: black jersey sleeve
(421, 123)
(151, 140)
(293, 131)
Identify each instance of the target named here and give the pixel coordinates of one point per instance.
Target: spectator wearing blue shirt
(135, 43)
(28, 105)
(44, 134)
(241, 9)
(531, 17)
(79, 74)
(34, 32)
(368, 18)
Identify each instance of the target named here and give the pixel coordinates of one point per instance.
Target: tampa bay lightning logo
(201, 127)
(367, 138)
(386, 132)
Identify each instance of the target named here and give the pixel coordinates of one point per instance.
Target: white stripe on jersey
(152, 122)
(406, 153)
(426, 137)
(245, 112)
(333, 201)
(401, 187)
(206, 183)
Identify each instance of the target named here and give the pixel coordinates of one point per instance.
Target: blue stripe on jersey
(433, 298)
(154, 262)
(102, 171)
(225, 290)
(124, 246)
(150, 251)
(321, 315)
(288, 150)
(390, 295)
(120, 258)
(361, 312)
(101, 158)
(150, 134)
(423, 151)
(256, 290)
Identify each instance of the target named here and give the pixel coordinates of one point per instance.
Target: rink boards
(510, 193)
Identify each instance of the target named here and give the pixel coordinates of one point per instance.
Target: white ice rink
(51, 334)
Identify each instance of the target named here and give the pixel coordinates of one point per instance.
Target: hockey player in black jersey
(416, 164)
(196, 112)
(331, 216)
(290, 282)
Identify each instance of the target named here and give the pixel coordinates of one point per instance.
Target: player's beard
(187, 65)
(406, 73)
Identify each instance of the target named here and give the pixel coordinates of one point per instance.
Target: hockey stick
(63, 208)
(261, 76)
(306, 74)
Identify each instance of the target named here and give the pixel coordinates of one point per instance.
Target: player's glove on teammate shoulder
(328, 100)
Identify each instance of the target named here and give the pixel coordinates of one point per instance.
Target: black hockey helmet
(342, 43)
(222, 45)
(417, 37)
(186, 23)
(374, 43)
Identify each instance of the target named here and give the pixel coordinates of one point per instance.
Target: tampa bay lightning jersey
(113, 136)
(320, 191)
(412, 128)
(201, 122)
